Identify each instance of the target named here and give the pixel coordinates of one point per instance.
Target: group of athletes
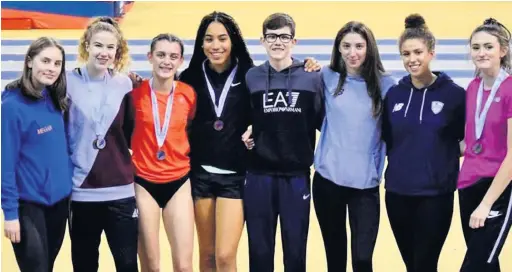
(226, 143)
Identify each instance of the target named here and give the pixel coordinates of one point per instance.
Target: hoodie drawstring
(408, 103)
(288, 87)
(422, 104)
(267, 83)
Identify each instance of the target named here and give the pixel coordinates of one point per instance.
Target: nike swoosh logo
(494, 214)
(305, 196)
(235, 84)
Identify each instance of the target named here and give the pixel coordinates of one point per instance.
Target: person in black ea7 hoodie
(286, 109)
(423, 123)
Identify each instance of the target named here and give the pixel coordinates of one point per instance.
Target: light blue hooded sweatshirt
(350, 150)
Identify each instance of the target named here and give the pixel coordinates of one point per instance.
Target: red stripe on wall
(16, 19)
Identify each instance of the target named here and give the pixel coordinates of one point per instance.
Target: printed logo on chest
(181, 99)
(437, 106)
(44, 129)
(279, 101)
(398, 107)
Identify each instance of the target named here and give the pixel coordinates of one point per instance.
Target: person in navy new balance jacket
(36, 167)
(423, 123)
(287, 107)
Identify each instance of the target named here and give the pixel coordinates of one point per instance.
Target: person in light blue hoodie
(350, 155)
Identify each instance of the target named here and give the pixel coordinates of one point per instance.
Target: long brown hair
(57, 90)
(372, 68)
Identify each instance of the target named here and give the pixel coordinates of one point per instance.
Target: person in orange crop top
(160, 146)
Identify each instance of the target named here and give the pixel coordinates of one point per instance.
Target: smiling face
(416, 57)
(278, 43)
(46, 67)
(217, 44)
(353, 52)
(102, 49)
(166, 59)
(486, 51)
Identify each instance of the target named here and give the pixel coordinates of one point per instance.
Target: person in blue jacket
(423, 125)
(350, 155)
(36, 167)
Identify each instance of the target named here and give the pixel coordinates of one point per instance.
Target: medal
(218, 125)
(98, 114)
(160, 155)
(481, 114)
(161, 131)
(477, 148)
(99, 143)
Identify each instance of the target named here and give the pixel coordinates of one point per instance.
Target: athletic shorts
(209, 185)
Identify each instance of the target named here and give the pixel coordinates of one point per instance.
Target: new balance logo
(278, 102)
(398, 107)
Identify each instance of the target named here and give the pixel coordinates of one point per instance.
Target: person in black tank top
(218, 156)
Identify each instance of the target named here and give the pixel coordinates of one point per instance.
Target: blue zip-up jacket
(36, 166)
(422, 129)
(350, 150)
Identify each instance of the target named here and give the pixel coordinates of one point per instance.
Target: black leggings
(420, 225)
(119, 220)
(331, 203)
(484, 244)
(42, 232)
